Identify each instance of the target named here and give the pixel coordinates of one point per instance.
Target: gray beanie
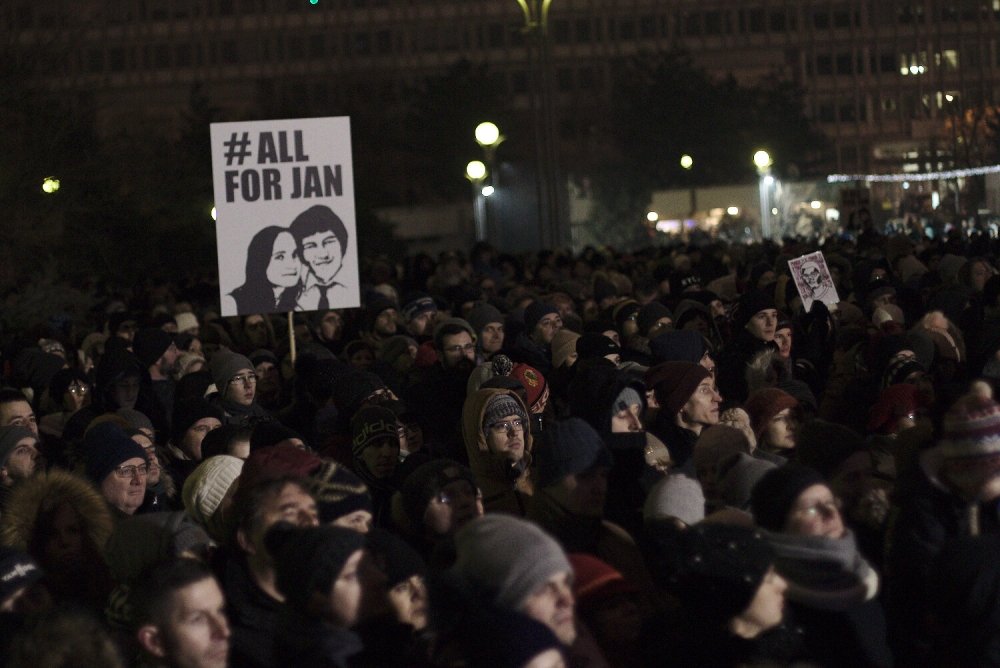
(224, 365)
(507, 557)
(675, 496)
(10, 437)
(499, 407)
(482, 315)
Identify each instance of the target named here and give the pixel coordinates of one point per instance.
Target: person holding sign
(273, 271)
(322, 242)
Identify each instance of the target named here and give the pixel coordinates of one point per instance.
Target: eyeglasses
(142, 470)
(506, 427)
(244, 379)
(447, 496)
(825, 508)
(467, 348)
(77, 388)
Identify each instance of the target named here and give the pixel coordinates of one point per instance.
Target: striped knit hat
(972, 433)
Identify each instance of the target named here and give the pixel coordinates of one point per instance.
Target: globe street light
(475, 171)
(488, 135)
(762, 159)
(687, 162)
(50, 185)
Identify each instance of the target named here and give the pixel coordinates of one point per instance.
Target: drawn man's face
(811, 275)
(323, 253)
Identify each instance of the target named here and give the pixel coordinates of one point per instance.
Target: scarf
(824, 573)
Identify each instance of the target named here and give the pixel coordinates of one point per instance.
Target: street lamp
(762, 160)
(475, 171)
(536, 18)
(50, 185)
(687, 162)
(488, 137)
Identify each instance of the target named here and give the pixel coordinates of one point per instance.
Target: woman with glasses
(831, 587)
(69, 391)
(498, 442)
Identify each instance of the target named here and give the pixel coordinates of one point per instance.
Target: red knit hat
(532, 380)
(764, 404)
(895, 402)
(596, 580)
(675, 382)
(277, 461)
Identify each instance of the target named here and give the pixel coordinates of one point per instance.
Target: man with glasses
(118, 466)
(236, 381)
(497, 440)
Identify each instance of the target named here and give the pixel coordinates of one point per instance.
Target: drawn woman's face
(283, 269)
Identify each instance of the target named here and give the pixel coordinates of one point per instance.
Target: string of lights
(924, 176)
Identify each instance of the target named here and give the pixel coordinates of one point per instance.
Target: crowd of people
(604, 459)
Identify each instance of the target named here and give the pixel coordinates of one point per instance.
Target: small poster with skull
(813, 280)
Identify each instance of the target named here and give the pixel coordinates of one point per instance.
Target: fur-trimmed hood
(46, 491)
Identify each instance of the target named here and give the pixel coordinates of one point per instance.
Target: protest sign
(813, 280)
(285, 220)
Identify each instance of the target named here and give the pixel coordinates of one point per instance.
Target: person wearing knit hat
(18, 572)
(729, 592)
(537, 312)
(156, 351)
(498, 443)
(404, 570)
(276, 462)
(436, 499)
(535, 388)
(572, 449)
(187, 323)
(653, 318)
(18, 455)
(687, 402)
(678, 346)
(898, 408)
(192, 420)
(380, 320)
(593, 346)
(774, 498)
(236, 380)
(267, 434)
(118, 465)
(517, 566)
(965, 459)
(316, 569)
(677, 497)
(774, 418)
(342, 498)
(608, 604)
(419, 311)
(564, 348)
(488, 323)
(755, 320)
(208, 495)
(375, 449)
(902, 368)
(715, 446)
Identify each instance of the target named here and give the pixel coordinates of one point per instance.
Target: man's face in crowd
(763, 323)
(168, 361)
(191, 442)
(256, 330)
(125, 489)
(385, 322)
(491, 338)
(126, 391)
(458, 502)
(330, 326)
(21, 463)
(422, 323)
(457, 351)
(547, 328)
(506, 437)
(195, 633)
(292, 504)
(153, 477)
(323, 253)
(18, 413)
(381, 457)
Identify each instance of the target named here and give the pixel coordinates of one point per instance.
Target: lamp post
(536, 16)
(762, 160)
(687, 164)
(488, 137)
(475, 171)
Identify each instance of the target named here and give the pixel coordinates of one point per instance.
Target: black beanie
(568, 447)
(270, 433)
(592, 345)
(717, 570)
(189, 411)
(394, 556)
(650, 314)
(106, 447)
(149, 345)
(750, 305)
(534, 312)
(309, 559)
(426, 482)
(774, 495)
(338, 492)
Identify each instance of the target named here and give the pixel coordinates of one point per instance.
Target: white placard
(285, 220)
(813, 280)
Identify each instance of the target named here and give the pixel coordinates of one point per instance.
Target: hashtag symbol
(237, 147)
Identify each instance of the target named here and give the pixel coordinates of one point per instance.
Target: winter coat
(505, 488)
(253, 615)
(307, 641)
(732, 366)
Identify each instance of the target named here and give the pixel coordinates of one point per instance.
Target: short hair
(317, 219)
(250, 500)
(151, 601)
(447, 330)
(217, 441)
(9, 395)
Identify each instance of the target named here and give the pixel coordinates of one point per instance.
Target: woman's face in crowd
(126, 391)
(703, 406)
(409, 601)
(780, 431)
(283, 269)
(453, 507)
(763, 323)
(627, 420)
(77, 396)
(815, 513)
